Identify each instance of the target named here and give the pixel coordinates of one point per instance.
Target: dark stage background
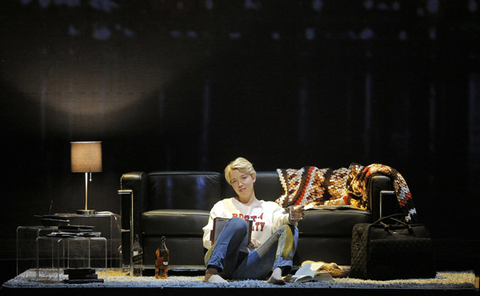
(192, 84)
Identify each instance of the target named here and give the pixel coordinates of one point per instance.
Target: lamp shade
(86, 157)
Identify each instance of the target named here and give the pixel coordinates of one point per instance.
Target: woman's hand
(254, 243)
(295, 214)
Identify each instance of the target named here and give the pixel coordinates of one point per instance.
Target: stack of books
(75, 231)
(82, 276)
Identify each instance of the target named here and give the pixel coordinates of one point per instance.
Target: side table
(105, 222)
(108, 224)
(58, 252)
(26, 245)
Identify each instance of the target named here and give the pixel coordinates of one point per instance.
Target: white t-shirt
(267, 217)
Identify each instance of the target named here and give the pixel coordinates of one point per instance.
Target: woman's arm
(218, 210)
(206, 232)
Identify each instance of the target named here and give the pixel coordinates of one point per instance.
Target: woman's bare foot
(211, 276)
(276, 277)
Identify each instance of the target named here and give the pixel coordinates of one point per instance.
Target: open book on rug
(317, 271)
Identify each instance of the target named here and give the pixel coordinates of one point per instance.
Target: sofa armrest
(380, 186)
(388, 203)
(137, 182)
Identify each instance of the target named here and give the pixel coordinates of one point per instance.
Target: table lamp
(86, 158)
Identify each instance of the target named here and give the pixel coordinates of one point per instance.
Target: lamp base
(86, 212)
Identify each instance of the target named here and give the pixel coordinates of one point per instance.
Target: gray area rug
(51, 279)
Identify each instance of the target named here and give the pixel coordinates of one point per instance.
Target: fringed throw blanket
(316, 187)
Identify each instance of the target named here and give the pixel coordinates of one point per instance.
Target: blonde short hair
(242, 165)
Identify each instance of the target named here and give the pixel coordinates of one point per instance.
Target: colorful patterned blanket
(345, 186)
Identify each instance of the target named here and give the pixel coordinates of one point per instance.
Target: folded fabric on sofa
(345, 186)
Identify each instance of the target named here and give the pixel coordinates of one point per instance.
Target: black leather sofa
(177, 205)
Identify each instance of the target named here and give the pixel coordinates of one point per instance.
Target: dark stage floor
(223, 291)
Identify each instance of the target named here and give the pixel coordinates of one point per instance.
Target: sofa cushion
(174, 222)
(332, 223)
(327, 249)
(317, 223)
(186, 252)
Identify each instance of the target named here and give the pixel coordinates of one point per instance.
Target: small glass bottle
(137, 257)
(161, 260)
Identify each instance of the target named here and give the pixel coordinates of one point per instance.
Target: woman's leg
(285, 252)
(224, 254)
(276, 252)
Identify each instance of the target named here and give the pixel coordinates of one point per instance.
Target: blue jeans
(228, 255)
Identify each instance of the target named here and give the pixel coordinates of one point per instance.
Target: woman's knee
(238, 224)
(289, 230)
(288, 234)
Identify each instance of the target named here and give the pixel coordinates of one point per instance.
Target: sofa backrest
(201, 190)
(184, 190)
(267, 187)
